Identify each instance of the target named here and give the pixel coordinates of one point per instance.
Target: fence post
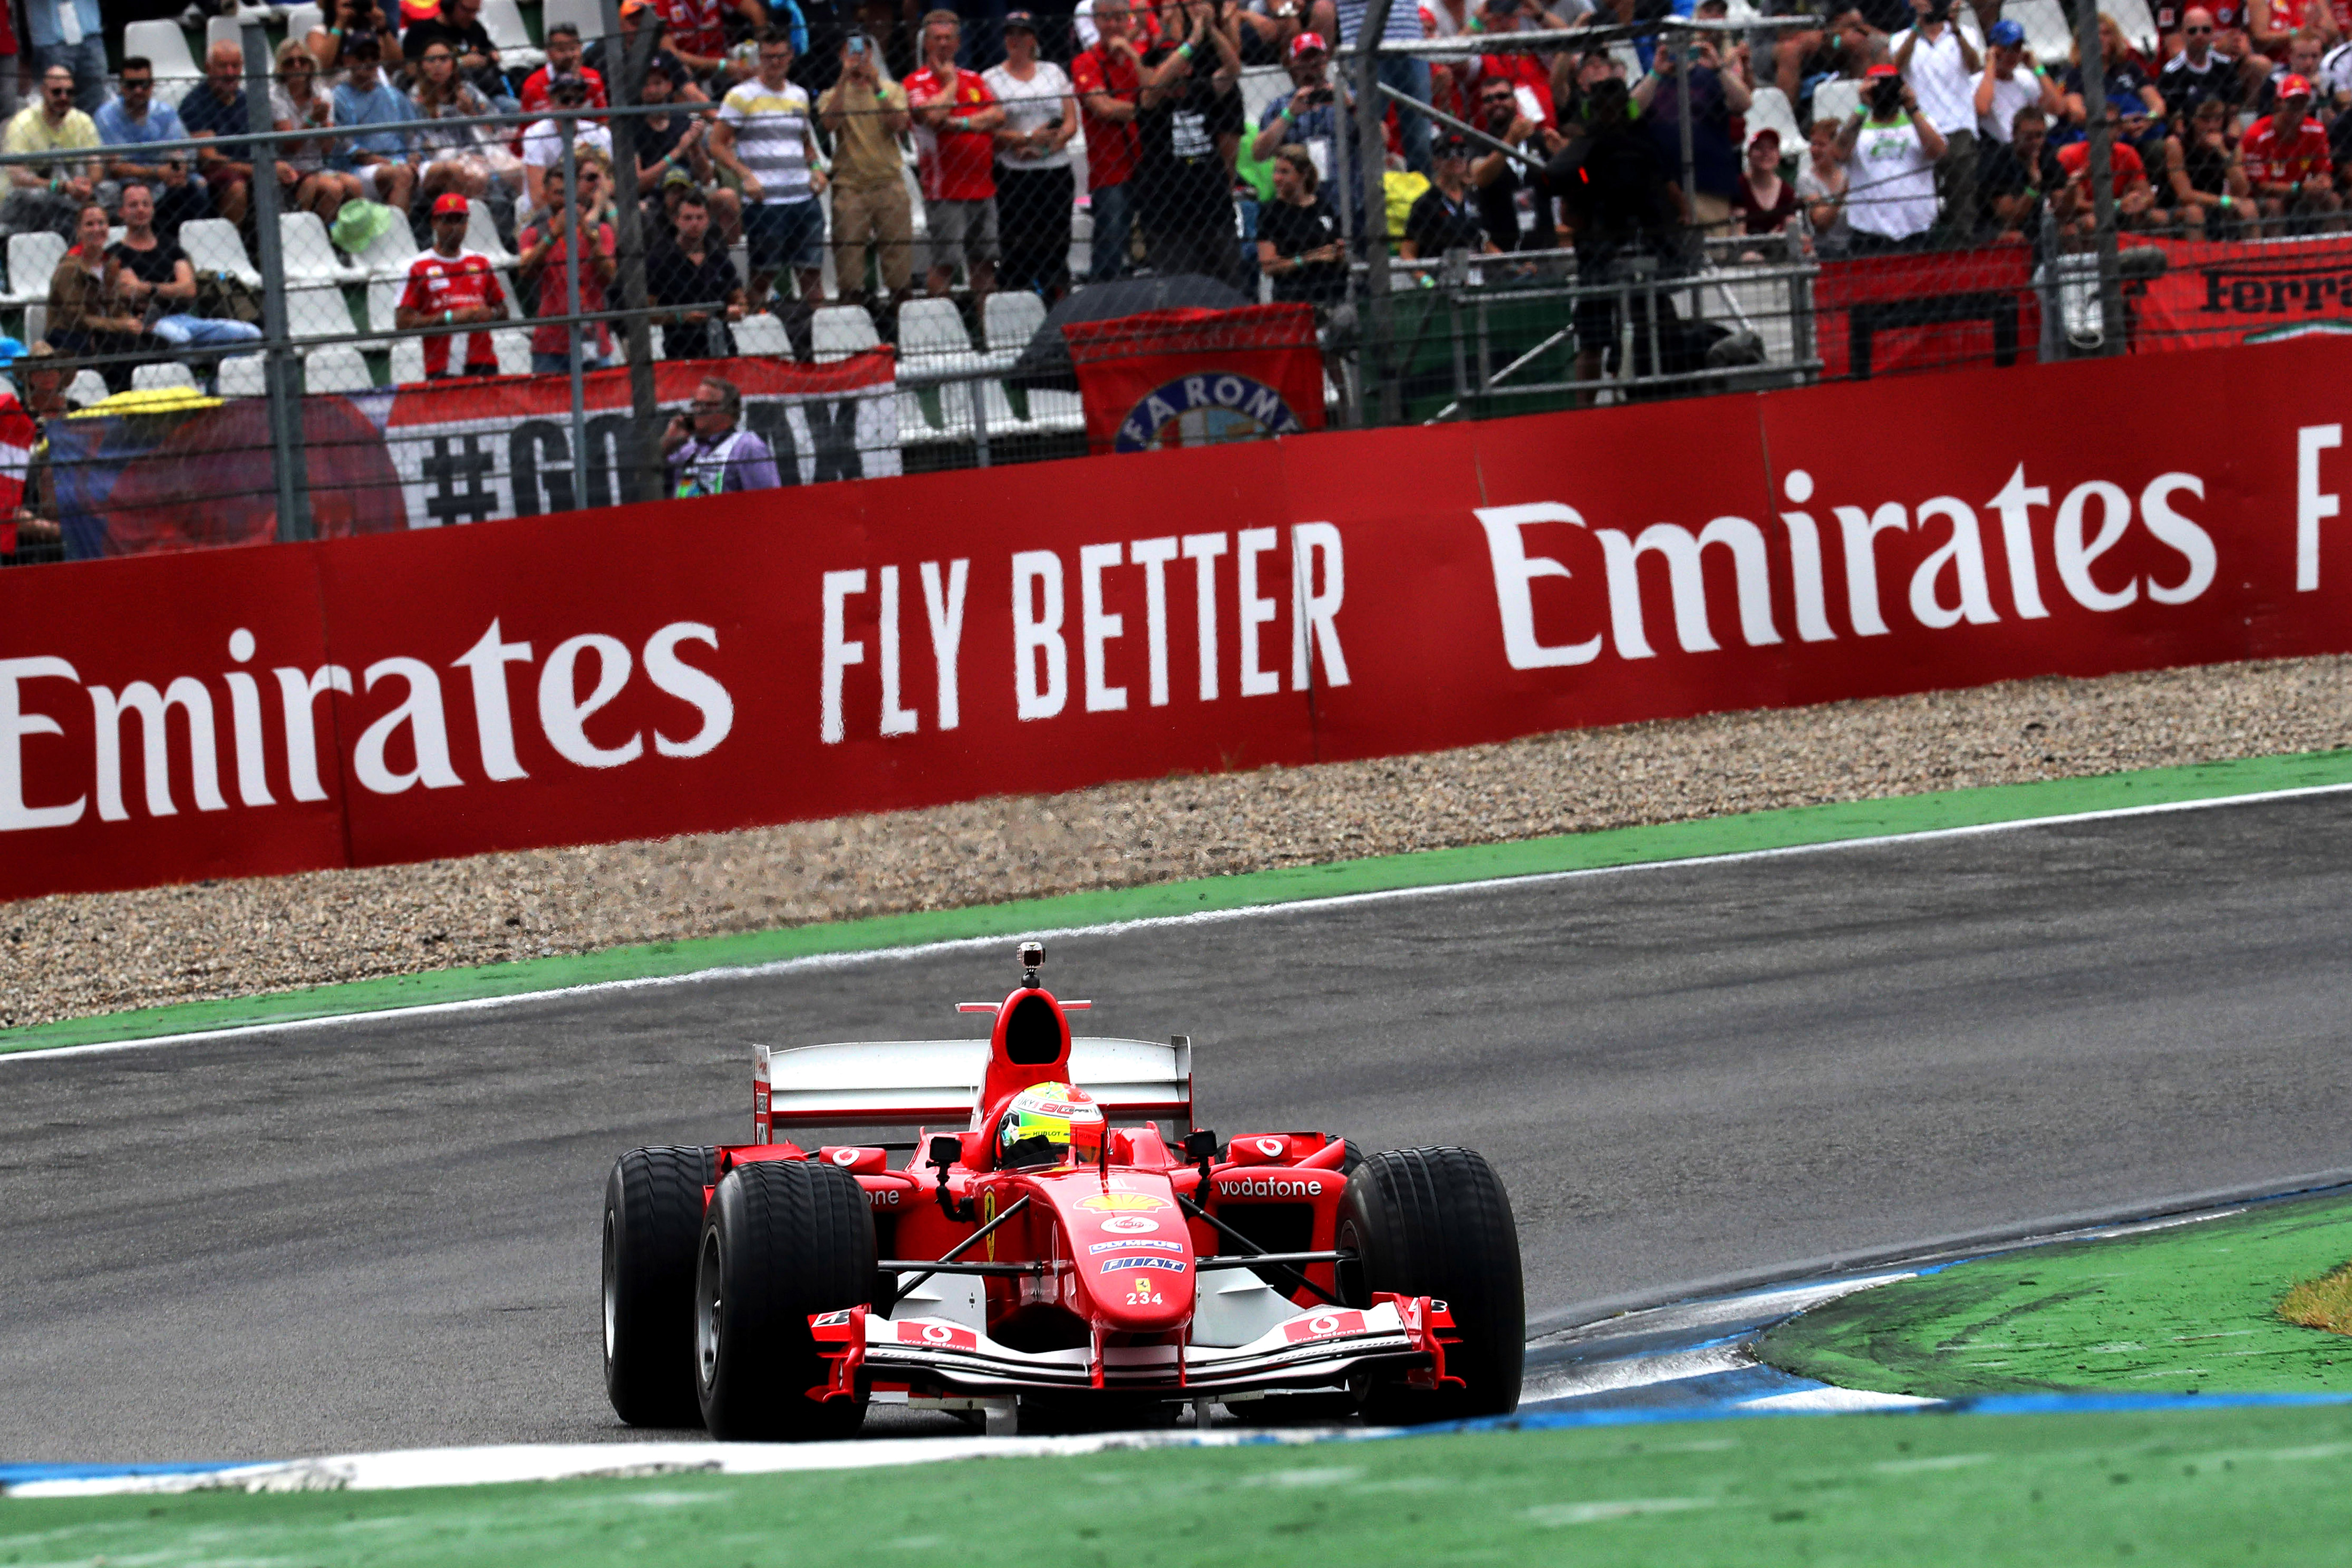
(281, 366)
(641, 477)
(575, 334)
(2103, 187)
(1372, 146)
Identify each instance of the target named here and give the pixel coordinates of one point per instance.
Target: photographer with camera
(1188, 128)
(1717, 93)
(1890, 150)
(1939, 64)
(865, 113)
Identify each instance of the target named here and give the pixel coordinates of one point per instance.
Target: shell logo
(1130, 1224)
(1272, 1148)
(1122, 1203)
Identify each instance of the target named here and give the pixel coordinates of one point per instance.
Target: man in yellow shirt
(49, 195)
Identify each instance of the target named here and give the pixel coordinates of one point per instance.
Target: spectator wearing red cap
(449, 288)
(1763, 202)
(2289, 167)
(1105, 80)
(1890, 150)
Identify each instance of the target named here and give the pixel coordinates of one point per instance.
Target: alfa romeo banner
(468, 451)
(700, 665)
(1191, 377)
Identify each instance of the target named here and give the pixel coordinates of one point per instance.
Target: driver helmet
(1048, 1125)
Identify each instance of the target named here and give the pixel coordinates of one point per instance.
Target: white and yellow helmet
(1048, 1125)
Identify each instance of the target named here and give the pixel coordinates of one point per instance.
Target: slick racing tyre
(652, 1217)
(785, 1239)
(1436, 1222)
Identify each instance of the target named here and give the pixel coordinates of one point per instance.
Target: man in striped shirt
(1404, 73)
(764, 136)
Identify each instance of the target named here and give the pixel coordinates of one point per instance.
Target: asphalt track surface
(384, 1234)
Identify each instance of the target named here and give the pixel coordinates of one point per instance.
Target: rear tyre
(1436, 1222)
(785, 1238)
(652, 1216)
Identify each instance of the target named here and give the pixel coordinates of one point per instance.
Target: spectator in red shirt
(545, 263)
(2289, 167)
(562, 57)
(451, 287)
(956, 119)
(1109, 84)
(2134, 196)
(1530, 77)
(698, 30)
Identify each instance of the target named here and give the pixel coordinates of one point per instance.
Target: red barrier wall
(713, 664)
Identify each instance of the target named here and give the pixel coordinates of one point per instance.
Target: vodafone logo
(1272, 1148)
(1323, 1326)
(844, 1156)
(1259, 1187)
(1130, 1224)
(1326, 1324)
(938, 1336)
(939, 1333)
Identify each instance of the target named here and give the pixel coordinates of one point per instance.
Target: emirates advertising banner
(715, 663)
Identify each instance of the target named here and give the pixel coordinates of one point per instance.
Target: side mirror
(945, 1150)
(1200, 1144)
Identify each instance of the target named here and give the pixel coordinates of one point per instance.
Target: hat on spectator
(1307, 44)
(676, 177)
(567, 84)
(1450, 144)
(2293, 85)
(448, 204)
(1880, 72)
(415, 11)
(9, 349)
(1765, 133)
(631, 7)
(1020, 22)
(2006, 33)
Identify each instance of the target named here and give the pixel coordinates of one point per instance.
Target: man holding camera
(1499, 179)
(865, 114)
(1891, 151)
(1940, 66)
(1717, 93)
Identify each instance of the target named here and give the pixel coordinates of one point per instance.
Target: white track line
(822, 961)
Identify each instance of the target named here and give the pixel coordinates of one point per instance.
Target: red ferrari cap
(1307, 44)
(1880, 72)
(2295, 86)
(450, 202)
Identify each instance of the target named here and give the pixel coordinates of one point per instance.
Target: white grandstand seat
(2047, 32)
(317, 309)
(2136, 21)
(482, 235)
(300, 19)
(336, 368)
(933, 331)
(408, 360)
(837, 332)
(33, 258)
(87, 387)
(588, 15)
(214, 244)
(37, 324)
(164, 44)
(390, 253)
(503, 22)
(169, 373)
(222, 29)
(931, 338)
(308, 254)
(1768, 105)
(765, 334)
(1833, 101)
(243, 375)
(513, 347)
(1009, 319)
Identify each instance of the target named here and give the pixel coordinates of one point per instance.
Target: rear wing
(902, 1083)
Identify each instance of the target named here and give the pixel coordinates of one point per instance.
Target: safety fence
(395, 332)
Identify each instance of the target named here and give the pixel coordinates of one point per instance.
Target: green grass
(2192, 1309)
(1670, 841)
(2196, 1487)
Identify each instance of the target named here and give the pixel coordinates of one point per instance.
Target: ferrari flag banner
(471, 450)
(2210, 296)
(1192, 377)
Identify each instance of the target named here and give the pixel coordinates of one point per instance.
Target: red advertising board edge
(707, 664)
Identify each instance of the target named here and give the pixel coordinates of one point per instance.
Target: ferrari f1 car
(1061, 1260)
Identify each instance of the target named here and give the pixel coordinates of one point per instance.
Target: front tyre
(1436, 1222)
(652, 1217)
(785, 1239)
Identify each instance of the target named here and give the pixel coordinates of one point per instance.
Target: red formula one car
(1060, 1262)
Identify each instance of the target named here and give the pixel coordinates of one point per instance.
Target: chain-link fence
(435, 289)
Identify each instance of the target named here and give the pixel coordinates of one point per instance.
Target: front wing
(1317, 1349)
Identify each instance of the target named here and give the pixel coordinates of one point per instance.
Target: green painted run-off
(1762, 830)
(2188, 1308)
